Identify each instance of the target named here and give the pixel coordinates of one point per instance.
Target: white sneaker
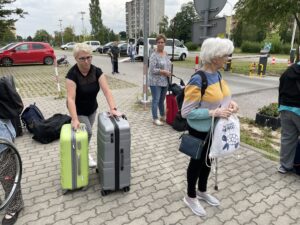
(158, 122)
(92, 162)
(162, 118)
(194, 205)
(208, 198)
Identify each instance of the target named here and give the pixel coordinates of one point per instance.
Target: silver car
(67, 46)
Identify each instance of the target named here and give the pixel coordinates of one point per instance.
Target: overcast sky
(45, 14)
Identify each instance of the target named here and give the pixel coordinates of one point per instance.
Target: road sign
(215, 27)
(214, 6)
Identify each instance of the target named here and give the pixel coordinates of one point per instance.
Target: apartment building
(135, 16)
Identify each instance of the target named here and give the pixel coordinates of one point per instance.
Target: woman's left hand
(233, 106)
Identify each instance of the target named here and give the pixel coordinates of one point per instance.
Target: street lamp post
(61, 32)
(82, 13)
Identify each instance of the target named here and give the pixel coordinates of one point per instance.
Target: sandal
(12, 218)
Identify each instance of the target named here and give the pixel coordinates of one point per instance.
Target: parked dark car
(123, 49)
(27, 52)
(104, 49)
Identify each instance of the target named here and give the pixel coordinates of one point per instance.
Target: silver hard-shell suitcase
(113, 153)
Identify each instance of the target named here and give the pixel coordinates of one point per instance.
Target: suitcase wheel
(216, 187)
(97, 171)
(105, 192)
(126, 189)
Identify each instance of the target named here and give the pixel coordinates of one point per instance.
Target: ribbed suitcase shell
(171, 108)
(74, 166)
(113, 152)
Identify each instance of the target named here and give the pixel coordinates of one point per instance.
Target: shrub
(269, 110)
(191, 46)
(251, 47)
(285, 49)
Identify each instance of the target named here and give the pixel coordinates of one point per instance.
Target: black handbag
(192, 146)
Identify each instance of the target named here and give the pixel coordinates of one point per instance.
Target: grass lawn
(240, 66)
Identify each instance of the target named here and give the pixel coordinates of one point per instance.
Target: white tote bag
(225, 137)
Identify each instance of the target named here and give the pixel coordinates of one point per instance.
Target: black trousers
(115, 66)
(197, 169)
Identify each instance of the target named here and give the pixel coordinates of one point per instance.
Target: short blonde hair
(215, 47)
(82, 47)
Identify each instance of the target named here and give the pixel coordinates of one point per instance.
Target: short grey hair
(215, 47)
(82, 47)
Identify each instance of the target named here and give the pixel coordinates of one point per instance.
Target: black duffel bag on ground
(46, 131)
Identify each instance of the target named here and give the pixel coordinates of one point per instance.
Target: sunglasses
(83, 59)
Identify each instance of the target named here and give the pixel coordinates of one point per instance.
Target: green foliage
(191, 46)
(42, 35)
(285, 49)
(96, 20)
(69, 34)
(247, 32)
(123, 35)
(251, 47)
(6, 22)
(269, 110)
(7, 36)
(163, 25)
(181, 24)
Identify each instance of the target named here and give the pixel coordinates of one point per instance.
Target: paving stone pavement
(251, 191)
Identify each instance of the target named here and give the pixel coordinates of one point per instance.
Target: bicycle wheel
(7, 196)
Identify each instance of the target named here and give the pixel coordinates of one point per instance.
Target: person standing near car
(289, 108)
(199, 111)
(131, 52)
(159, 71)
(83, 82)
(115, 51)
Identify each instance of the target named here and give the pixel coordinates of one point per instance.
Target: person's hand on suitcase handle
(115, 112)
(75, 124)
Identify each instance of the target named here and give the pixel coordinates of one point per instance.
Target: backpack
(180, 123)
(30, 116)
(46, 131)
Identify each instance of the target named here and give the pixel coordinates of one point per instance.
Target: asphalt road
(251, 93)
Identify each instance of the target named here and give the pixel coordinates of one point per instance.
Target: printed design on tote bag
(229, 136)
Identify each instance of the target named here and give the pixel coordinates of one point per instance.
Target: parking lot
(250, 189)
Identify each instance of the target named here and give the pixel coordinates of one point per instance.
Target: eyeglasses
(83, 59)
(160, 42)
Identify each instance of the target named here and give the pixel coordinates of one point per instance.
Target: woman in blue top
(199, 110)
(159, 71)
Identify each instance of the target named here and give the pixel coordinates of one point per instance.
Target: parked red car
(27, 52)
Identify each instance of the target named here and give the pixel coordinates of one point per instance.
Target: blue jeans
(158, 99)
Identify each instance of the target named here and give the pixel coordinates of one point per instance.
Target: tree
(181, 24)
(8, 36)
(247, 32)
(268, 14)
(163, 25)
(69, 34)
(123, 35)
(96, 20)
(42, 35)
(29, 38)
(7, 23)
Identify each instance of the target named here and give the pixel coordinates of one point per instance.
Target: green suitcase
(74, 165)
